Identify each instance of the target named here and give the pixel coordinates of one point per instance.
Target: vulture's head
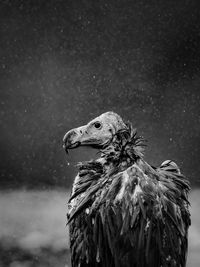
(97, 133)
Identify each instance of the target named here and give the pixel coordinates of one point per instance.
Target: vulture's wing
(136, 218)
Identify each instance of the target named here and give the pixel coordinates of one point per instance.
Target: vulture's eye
(97, 125)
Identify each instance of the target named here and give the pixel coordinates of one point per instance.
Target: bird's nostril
(68, 136)
(72, 134)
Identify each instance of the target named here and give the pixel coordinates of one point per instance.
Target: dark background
(62, 63)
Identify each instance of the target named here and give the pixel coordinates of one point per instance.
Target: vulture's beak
(71, 139)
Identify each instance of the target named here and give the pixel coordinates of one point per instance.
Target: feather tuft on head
(125, 144)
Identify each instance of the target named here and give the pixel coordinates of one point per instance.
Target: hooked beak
(80, 137)
(71, 140)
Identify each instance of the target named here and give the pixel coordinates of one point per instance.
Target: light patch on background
(35, 220)
(194, 232)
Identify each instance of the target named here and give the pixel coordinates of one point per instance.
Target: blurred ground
(33, 231)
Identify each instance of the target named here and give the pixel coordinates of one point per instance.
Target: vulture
(122, 211)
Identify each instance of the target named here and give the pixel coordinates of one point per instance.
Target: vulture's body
(122, 211)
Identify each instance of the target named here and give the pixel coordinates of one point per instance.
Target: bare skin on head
(97, 133)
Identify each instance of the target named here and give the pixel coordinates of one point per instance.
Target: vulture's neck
(125, 149)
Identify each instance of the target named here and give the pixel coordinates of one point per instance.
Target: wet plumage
(123, 212)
